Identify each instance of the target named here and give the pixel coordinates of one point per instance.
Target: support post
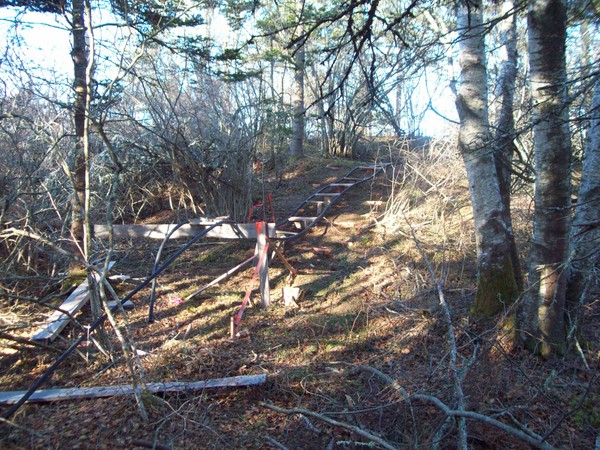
(263, 264)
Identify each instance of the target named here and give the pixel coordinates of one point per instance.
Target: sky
(44, 36)
(47, 42)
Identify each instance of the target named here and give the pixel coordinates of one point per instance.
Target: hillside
(368, 331)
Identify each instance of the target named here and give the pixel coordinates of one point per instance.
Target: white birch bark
(504, 146)
(496, 285)
(585, 263)
(545, 299)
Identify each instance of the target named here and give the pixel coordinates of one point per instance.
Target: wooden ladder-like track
(315, 207)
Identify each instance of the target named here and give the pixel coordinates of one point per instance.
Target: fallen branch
(221, 277)
(275, 443)
(23, 341)
(357, 430)
(19, 427)
(51, 395)
(530, 437)
(147, 444)
(457, 374)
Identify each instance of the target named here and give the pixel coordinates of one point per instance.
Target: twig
(356, 444)
(274, 443)
(577, 407)
(530, 437)
(456, 375)
(527, 436)
(148, 444)
(357, 430)
(20, 427)
(20, 340)
(310, 425)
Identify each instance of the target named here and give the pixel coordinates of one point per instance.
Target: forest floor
(370, 308)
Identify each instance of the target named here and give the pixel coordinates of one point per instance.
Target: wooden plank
(159, 231)
(262, 261)
(127, 305)
(301, 219)
(286, 263)
(283, 233)
(301, 222)
(51, 395)
(59, 320)
(291, 296)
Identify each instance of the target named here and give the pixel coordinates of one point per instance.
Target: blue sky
(45, 41)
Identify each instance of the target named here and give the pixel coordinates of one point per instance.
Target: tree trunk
(297, 142)
(545, 300)
(586, 224)
(398, 110)
(320, 104)
(79, 57)
(505, 126)
(496, 287)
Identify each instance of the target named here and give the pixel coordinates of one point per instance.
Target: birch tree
(496, 286)
(299, 57)
(544, 312)
(586, 224)
(297, 139)
(504, 146)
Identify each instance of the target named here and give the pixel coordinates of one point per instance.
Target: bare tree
(505, 124)
(297, 138)
(80, 106)
(496, 286)
(585, 261)
(544, 311)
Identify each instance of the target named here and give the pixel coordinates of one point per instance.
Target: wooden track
(315, 207)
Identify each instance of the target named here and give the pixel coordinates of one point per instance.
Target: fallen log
(52, 395)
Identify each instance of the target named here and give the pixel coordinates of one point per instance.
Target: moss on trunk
(547, 350)
(496, 290)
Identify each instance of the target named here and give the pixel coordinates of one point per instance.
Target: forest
(299, 224)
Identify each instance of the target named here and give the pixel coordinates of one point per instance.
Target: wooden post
(263, 264)
(232, 324)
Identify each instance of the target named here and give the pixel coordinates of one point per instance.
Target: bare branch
(355, 429)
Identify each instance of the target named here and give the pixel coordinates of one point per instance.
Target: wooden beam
(126, 306)
(159, 231)
(286, 263)
(52, 395)
(262, 262)
(59, 320)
